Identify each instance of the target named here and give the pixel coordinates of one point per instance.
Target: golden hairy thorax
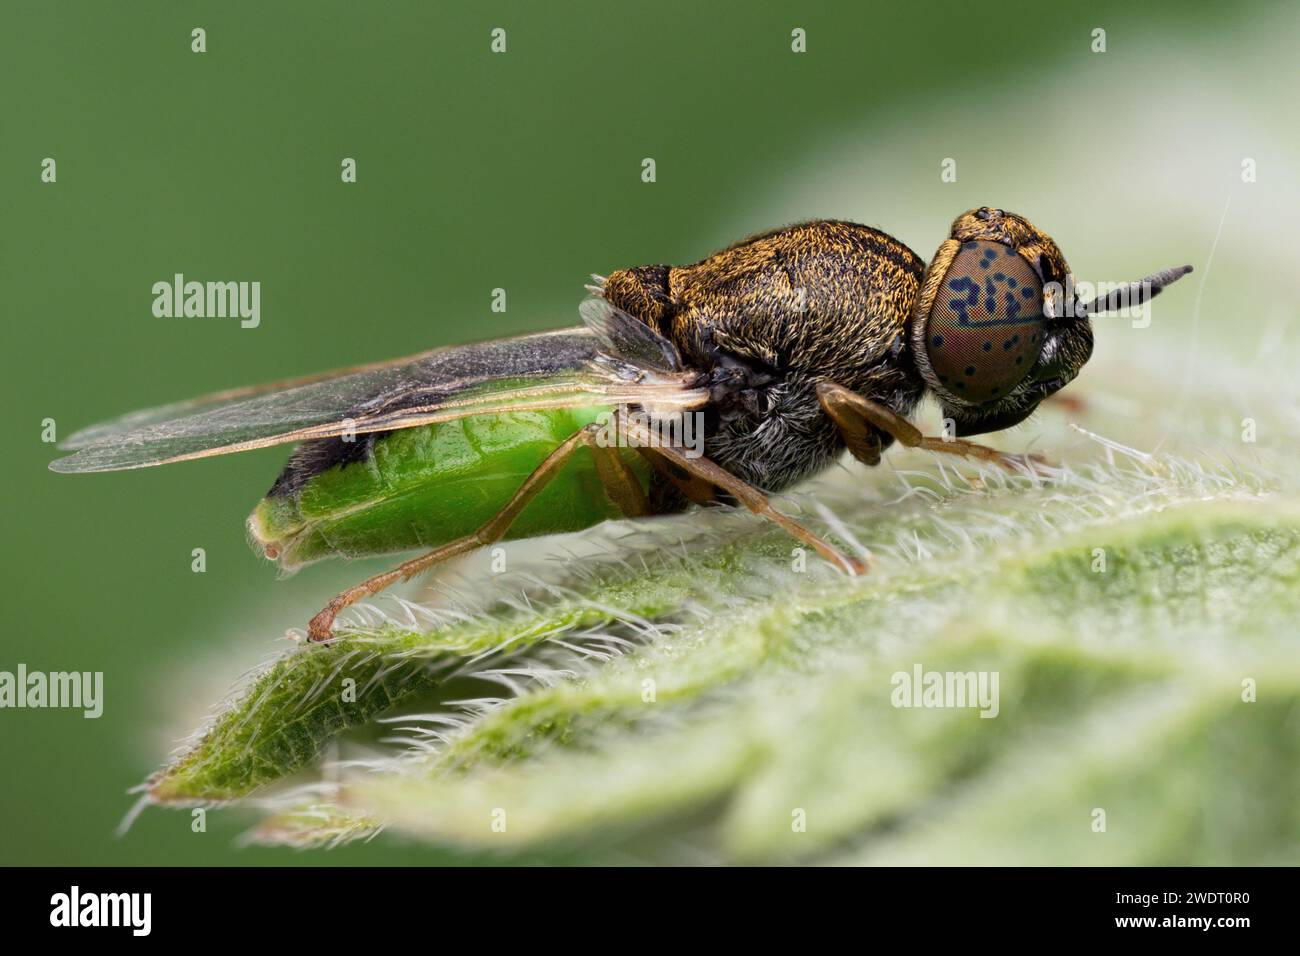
(768, 319)
(824, 298)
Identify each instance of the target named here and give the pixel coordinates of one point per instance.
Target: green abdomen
(425, 486)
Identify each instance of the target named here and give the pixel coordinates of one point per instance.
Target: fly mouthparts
(1135, 293)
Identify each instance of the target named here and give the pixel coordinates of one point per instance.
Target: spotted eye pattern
(986, 327)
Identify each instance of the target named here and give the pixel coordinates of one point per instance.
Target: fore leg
(619, 481)
(1069, 402)
(855, 415)
(706, 472)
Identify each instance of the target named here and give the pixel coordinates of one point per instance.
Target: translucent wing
(610, 362)
(630, 339)
(116, 427)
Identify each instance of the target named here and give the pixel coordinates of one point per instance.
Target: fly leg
(699, 473)
(855, 416)
(619, 481)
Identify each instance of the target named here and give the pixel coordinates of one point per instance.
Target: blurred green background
(519, 170)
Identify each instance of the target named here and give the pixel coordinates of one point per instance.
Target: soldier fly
(792, 346)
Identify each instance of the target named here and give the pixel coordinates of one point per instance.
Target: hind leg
(620, 483)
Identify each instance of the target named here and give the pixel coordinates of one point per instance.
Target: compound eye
(986, 327)
(984, 212)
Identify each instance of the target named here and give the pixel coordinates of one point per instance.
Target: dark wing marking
(568, 368)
